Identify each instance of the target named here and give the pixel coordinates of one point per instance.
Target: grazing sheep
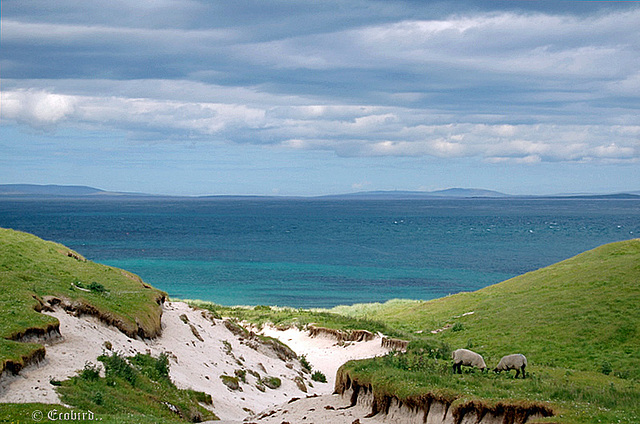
(516, 362)
(467, 358)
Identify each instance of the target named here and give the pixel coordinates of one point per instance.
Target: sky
(301, 97)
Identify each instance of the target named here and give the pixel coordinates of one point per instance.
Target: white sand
(325, 353)
(331, 409)
(199, 364)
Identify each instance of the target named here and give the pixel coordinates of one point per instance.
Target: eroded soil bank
(433, 409)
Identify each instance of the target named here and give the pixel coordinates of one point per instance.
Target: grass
(576, 321)
(581, 314)
(135, 389)
(31, 269)
(283, 317)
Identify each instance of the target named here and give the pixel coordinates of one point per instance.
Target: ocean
(321, 253)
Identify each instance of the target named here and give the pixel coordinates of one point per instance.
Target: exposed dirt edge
(394, 344)
(14, 367)
(131, 329)
(342, 335)
(438, 408)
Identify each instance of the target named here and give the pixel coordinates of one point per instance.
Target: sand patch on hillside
(201, 349)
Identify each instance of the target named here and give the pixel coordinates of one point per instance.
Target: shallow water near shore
(321, 253)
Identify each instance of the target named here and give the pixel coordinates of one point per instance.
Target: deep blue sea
(321, 253)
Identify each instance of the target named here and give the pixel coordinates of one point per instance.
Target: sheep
(516, 362)
(467, 358)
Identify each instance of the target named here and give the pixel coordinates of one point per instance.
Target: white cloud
(38, 109)
(347, 130)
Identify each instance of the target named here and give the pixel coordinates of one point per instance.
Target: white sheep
(467, 358)
(517, 362)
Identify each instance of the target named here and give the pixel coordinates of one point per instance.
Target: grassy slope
(577, 313)
(573, 320)
(31, 268)
(283, 317)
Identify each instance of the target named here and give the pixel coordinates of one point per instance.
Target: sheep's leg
(523, 375)
(517, 372)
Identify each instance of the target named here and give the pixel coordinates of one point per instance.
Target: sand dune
(201, 349)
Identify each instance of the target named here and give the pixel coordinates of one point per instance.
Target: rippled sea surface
(321, 253)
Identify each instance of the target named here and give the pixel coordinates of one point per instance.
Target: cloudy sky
(301, 97)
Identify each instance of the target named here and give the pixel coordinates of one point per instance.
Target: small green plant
(272, 382)
(96, 287)
(241, 374)
(90, 372)
(319, 377)
(458, 326)
(305, 363)
(97, 398)
(117, 366)
(606, 368)
(231, 382)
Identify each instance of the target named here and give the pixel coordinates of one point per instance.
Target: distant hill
(400, 195)
(54, 190)
(47, 190)
(69, 191)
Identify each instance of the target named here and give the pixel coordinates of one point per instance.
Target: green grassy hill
(32, 269)
(136, 389)
(579, 313)
(578, 323)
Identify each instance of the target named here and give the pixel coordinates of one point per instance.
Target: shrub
(90, 372)
(606, 368)
(272, 382)
(458, 326)
(117, 366)
(319, 377)
(97, 287)
(231, 382)
(97, 398)
(241, 374)
(156, 369)
(305, 363)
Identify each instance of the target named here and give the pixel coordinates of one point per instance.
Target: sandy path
(325, 353)
(198, 364)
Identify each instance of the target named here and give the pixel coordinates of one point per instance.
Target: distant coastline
(79, 191)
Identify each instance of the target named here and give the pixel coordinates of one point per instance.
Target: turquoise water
(320, 253)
